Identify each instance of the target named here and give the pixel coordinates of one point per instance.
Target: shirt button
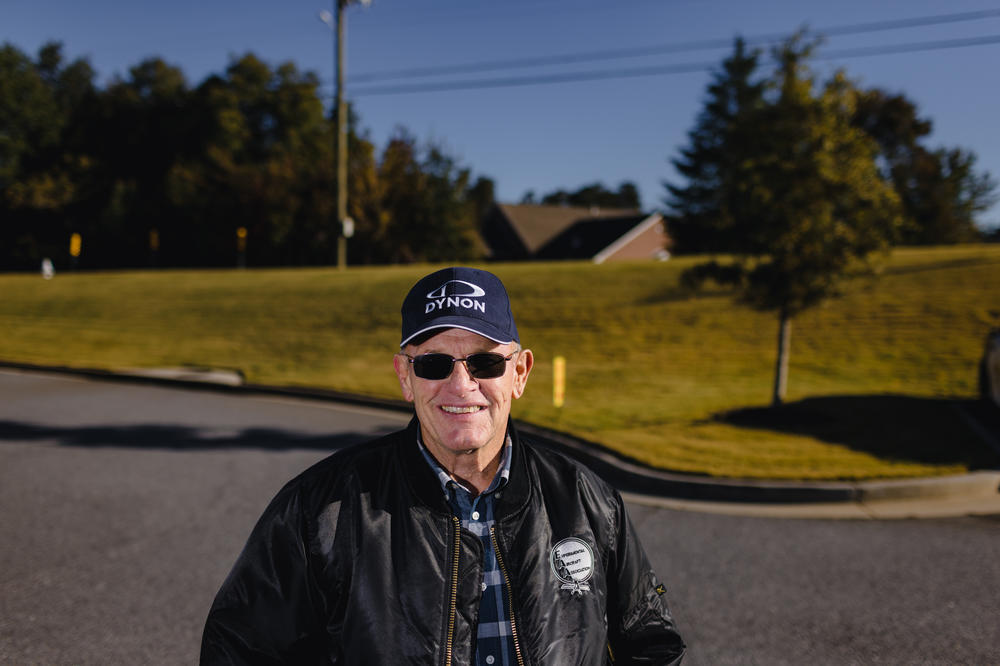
(484, 587)
(490, 659)
(475, 515)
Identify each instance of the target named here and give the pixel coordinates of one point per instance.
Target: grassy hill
(878, 378)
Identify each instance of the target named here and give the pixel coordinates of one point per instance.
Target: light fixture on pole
(336, 22)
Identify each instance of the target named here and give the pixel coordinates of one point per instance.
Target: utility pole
(345, 227)
(341, 140)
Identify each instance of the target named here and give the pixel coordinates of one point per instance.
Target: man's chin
(465, 439)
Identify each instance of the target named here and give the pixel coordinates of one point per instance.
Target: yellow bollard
(75, 245)
(241, 247)
(75, 248)
(558, 381)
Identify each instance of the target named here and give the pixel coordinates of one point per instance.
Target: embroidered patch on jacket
(572, 562)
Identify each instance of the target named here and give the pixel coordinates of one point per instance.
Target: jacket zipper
(454, 590)
(510, 596)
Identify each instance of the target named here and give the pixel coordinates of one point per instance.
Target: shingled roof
(528, 231)
(538, 225)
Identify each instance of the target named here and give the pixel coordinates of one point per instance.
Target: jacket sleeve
(640, 627)
(268, 609)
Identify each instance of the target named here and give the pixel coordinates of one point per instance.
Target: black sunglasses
(485, 365)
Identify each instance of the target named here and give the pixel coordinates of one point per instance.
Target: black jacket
(359, 560)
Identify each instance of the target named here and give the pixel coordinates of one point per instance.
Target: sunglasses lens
(432, 366)
(486, 365)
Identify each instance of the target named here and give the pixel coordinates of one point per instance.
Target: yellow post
(241, 247)
(558, 381)
(75, 248)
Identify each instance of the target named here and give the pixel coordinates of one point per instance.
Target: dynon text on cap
(459, 297)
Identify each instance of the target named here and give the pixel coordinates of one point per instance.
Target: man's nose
(460, 375)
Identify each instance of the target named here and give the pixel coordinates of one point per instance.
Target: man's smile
(457, 409)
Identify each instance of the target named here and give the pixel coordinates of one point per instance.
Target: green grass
(672, 380)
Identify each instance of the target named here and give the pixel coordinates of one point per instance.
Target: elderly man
(454, 541)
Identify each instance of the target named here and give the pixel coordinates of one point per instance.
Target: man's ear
(402, 366)
(525, 361)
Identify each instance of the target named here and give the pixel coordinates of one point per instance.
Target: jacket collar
(427, 488)
(518, 489)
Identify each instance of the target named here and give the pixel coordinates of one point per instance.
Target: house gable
(526, 231)
(646, 240)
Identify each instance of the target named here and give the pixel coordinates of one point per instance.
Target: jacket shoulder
(558, 467)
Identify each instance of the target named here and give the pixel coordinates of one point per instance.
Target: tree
(709, 163)
(942, 194)
(596, 195)
(145, 130)
(44, 166)
(430, 206)
(802, 194)
(263, 162)
(940, 190)
(149, 169)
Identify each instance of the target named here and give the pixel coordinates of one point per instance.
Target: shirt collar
(500, 480)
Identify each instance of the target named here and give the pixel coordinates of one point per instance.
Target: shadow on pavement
(181, 437)
(923, 430)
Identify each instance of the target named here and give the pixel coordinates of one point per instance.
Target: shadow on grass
(964, 262)
(181, 438)
(893, 427)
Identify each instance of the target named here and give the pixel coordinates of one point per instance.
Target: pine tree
(703, 219)
(804, 198)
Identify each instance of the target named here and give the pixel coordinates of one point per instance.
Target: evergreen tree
(703, 214)
(803, 197)
(940, 190)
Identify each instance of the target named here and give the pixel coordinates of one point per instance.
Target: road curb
(636, 478)
(630, 476)
(982, 484)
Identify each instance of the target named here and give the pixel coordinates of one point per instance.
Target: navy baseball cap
(459, 297)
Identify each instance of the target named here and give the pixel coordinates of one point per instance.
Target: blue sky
(553, 135)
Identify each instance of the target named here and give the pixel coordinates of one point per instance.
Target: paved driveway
(122, 507)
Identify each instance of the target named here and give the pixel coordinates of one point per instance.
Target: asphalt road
(122, 507)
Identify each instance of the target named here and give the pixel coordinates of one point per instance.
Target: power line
(912, 47)
(658, 70)
(535, 80)
(661, 49)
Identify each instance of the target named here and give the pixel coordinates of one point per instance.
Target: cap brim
(479, 328)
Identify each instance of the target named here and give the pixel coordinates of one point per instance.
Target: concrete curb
(634, 478)
(966, 494)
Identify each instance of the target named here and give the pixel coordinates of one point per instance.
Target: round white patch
(572, 562)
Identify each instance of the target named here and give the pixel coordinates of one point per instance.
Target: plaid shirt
(494, 643)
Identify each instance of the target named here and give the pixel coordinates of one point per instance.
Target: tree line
(151, 171)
